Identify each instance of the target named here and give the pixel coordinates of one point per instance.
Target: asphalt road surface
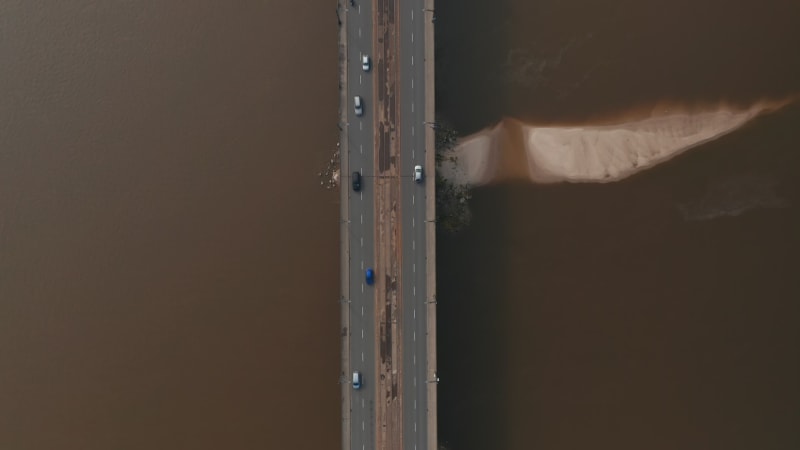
(412, 142)
(362, 226)
(362, 153)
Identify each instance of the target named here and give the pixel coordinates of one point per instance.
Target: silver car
(418, 174)
(365, 63)
(358, 106)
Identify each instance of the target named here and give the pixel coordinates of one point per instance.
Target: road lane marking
(415, 312)
(412, 107)
(412, 83)
(415, 359)
(362, 356)
(360, 125)
(362, 262)
(362, 288)
(359, 31)
(415, 429)
(413, 223)
(362, 196)
(412, 200)
(359, 79)
(362, 244)
(412, 130)
(415, 381)
(414, 266)
(413, 243)
(361, 147)
(412, 153)
(415, 335)
(412, 36)
(362, 402)
(362, 221)
(362, 424)
(415, 291)
(412, 60)
(415, 404)
(412, 14)
(362, 331)
(359, 9)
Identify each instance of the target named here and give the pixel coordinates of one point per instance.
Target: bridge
(388, 332)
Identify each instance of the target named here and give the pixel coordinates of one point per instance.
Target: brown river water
(657, 312)
(169, 260)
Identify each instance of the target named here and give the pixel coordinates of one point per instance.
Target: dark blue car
(370, 276)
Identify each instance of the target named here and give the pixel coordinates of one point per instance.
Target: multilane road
(372, 145)
(361, 156)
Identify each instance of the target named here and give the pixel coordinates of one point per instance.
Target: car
(418, 174)
(356, 379)
(365, 63)
(356, 181)
(359, 108)
(370, 276)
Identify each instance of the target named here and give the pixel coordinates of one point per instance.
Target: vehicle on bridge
(356, 379)
(418, 174)
(365, 65)
(370, 276)
(358, 106)
(356, 181)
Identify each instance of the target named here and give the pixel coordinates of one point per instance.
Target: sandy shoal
(612, 152)
(474, 160)
(590, 153)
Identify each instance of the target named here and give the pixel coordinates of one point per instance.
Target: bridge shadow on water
(472, 313)
(471, 60)
(472, 330)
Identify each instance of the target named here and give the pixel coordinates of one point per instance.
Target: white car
(418, 174)
(365, 63)
(357, 106)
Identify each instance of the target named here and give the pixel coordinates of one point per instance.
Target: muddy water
(657, 312)
(160, 221)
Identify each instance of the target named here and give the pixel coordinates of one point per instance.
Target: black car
(356, 181)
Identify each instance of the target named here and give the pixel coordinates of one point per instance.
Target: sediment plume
(590, 153)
